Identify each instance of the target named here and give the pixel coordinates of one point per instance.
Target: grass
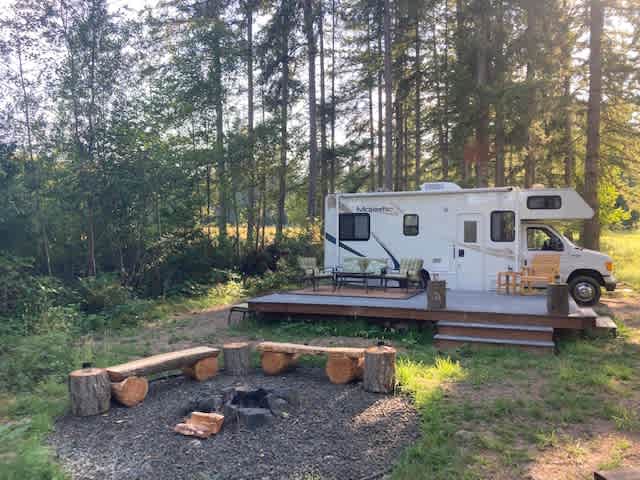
(492, 411)
(33, 377)
(623, 248)
(485, 413)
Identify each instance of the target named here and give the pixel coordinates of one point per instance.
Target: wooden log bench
(129, 385)
(343, 364)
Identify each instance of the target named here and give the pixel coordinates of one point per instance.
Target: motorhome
(466, 236)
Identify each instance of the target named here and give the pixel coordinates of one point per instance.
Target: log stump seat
(127, 382)
(344, 364)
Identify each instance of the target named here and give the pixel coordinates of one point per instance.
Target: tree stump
(90, 391)
(131, 391)
(274, 363)
(379, 369)
(558, 299)
(203, 369)
(342, 369)
(237, 358)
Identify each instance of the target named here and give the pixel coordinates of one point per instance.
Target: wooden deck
(462, 307)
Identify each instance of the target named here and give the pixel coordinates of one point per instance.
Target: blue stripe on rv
(332, 239)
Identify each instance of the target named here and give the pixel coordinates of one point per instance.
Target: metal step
(496, 341)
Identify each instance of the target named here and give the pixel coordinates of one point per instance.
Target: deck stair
(452, 334)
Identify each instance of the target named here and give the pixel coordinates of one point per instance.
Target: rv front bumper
(610, 283)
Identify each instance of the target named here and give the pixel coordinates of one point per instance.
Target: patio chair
(311, 272)
(409, 272)
(543, 270)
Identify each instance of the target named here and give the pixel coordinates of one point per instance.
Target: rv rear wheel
(585, 290)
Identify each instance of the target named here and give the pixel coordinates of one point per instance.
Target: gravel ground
(338, 432)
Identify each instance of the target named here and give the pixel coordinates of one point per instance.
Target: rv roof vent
(439, 187)
(537, 186)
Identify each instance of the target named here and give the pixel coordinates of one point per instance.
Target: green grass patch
(623, 247)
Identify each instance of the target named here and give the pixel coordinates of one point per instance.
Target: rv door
(468, 254)
(540, 240)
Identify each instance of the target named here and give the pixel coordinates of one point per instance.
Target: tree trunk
(333, 166)
(41, 224)
(380, 172)
(388, 87)
(218, 97)
(418, 105)
(500, 74)
(569, 150)
(399, 142)
(313, 135)
(591, 229)
(251, 195)
(372, 144)
(91, 240)
(531, 144)
(567, 100)
(324, 170)
(284, 141)
(482, 127)
(444, 143)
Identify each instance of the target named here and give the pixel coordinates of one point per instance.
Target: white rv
(466, 236)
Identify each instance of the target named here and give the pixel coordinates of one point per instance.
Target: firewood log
(131, 391)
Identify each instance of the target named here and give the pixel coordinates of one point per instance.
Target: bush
(102, 293)
(29, 360)
(24, 297)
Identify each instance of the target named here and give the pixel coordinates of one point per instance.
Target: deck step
(604, 327)
(503, 331)
(455, 341)
(496, 326)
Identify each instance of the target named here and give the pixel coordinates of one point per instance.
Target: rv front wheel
(585, 290)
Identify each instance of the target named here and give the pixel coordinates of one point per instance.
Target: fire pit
(335, 432)
(248, 407)
(254, 408)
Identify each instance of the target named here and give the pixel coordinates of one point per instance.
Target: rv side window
(542, 239)
(503, 226)
(544, 202)
(470, 232)
(410, 225)
(354, 226)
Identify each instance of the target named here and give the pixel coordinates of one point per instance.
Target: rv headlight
(609, 266)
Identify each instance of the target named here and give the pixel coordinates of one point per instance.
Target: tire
(585, 290)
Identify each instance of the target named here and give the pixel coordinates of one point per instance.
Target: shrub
(24, 297)
(30, 360)
(102, 293)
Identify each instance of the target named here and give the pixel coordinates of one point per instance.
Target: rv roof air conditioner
(439, 187)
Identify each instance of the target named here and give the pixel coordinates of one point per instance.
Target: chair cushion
(307, 263)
